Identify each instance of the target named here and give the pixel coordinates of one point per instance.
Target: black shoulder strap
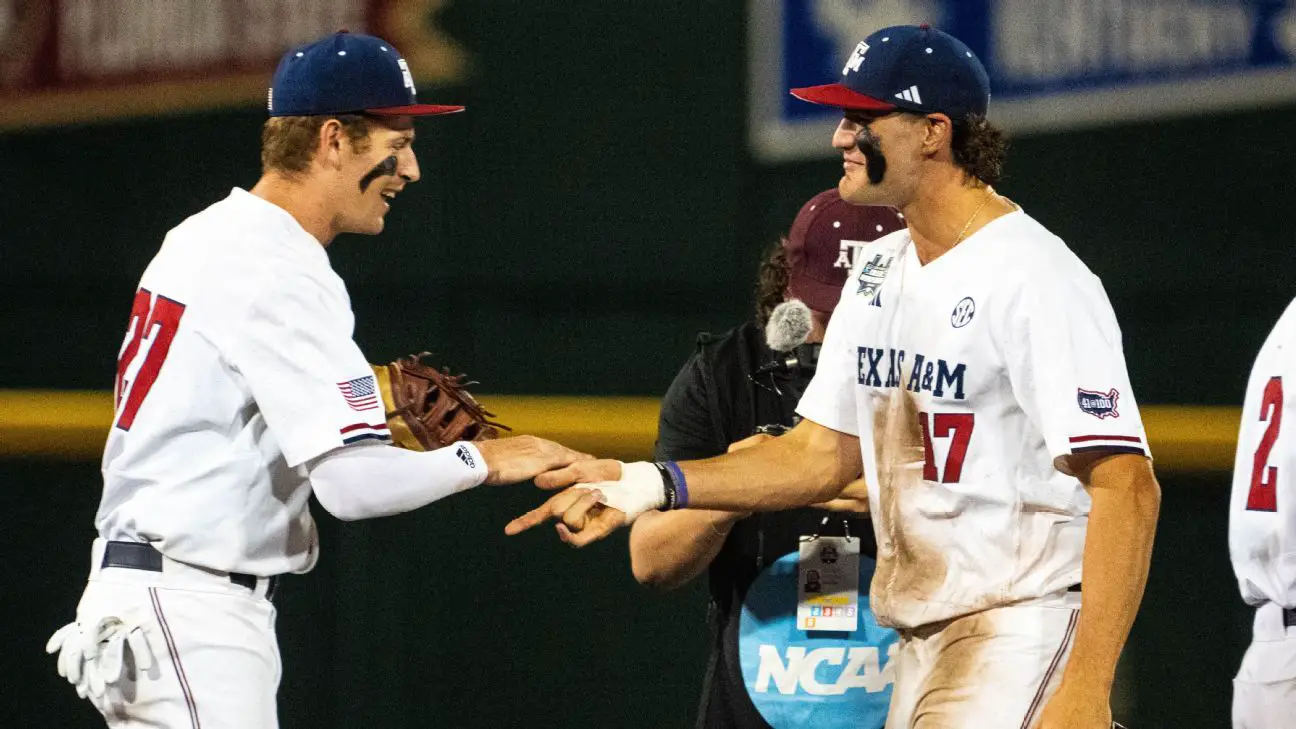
(706, 367)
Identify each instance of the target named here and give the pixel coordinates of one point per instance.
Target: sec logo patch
(963, 312)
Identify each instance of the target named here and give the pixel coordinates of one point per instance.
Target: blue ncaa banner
(1053, 64)
(821, 679)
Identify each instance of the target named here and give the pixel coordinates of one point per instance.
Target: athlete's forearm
(1118, 550)
(668, 550)
(809, 465)
(363, 482)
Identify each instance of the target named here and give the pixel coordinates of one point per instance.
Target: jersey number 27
(153, 324)
(1264, 478)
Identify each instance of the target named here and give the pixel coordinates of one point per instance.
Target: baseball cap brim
(415, 110)
(841, 97)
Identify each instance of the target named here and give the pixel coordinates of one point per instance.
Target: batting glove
(93, 659)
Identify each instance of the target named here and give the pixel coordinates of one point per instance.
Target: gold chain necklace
(968, 224)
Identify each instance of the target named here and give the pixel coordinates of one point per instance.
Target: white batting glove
(93, 659)
(638, 491)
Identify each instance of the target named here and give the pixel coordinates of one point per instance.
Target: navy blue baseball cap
(346, 73)
(908, 67)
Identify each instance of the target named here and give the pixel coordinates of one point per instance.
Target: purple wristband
(681, 486)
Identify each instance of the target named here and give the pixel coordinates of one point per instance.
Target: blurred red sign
(78, 60)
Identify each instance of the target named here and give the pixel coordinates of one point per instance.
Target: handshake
(601, 496)
(427, 408)
(598, 497)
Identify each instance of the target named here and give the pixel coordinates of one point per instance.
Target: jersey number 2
(944, 425)
(1264, 478)
(153, 324)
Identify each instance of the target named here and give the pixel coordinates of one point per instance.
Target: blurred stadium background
(606, 195)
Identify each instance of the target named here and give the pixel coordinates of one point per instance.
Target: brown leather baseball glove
(429, 408)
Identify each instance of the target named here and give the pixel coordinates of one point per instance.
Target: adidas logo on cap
(910, 94)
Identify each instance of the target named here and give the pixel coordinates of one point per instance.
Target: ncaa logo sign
(824, 679)
(962, 314)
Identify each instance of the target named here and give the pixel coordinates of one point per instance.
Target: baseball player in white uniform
(239, 391)
(974, 373)
(1262, 535)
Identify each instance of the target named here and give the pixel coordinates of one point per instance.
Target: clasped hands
(597, 497)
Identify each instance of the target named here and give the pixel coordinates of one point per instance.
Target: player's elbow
(1127, 484)
(337, 503)
(653, 576)
(643, 571)
(1147, 495)
(649, 573)
(643, 566)
(650, 564)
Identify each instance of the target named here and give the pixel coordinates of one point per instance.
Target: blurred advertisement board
(1053, 64)
(64, 61)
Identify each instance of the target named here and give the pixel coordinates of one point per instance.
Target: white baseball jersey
(1262, 511)
(969, 381)
(238, 366)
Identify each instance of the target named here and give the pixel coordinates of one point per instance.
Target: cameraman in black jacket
(738, 387)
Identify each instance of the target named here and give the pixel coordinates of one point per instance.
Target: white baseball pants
(1264, 692)
(216, 660)
(995, 669)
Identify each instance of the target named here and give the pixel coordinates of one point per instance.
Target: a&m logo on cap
(406, 76)
(856, 58)
(1098, 404)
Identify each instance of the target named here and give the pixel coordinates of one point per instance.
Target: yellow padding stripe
(73, 424)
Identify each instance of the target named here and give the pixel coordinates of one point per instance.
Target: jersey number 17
(956, 426)
(153, 324)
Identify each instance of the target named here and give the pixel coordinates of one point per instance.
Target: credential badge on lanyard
(828, 583)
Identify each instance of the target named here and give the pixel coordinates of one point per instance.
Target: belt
(142, 556)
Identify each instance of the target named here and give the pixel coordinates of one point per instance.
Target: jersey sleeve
(1067, 368)
(307, 376)
(829, 400)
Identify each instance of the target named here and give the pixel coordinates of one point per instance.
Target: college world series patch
(871, 277)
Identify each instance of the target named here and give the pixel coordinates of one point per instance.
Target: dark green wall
(594, 207)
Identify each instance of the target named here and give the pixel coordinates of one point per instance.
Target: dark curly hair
(771, 281)
(979, 148)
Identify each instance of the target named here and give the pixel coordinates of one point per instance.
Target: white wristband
(639, 490)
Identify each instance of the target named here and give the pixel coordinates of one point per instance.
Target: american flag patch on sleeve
(360, 393)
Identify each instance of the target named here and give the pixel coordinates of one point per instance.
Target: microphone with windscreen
(788, 328)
